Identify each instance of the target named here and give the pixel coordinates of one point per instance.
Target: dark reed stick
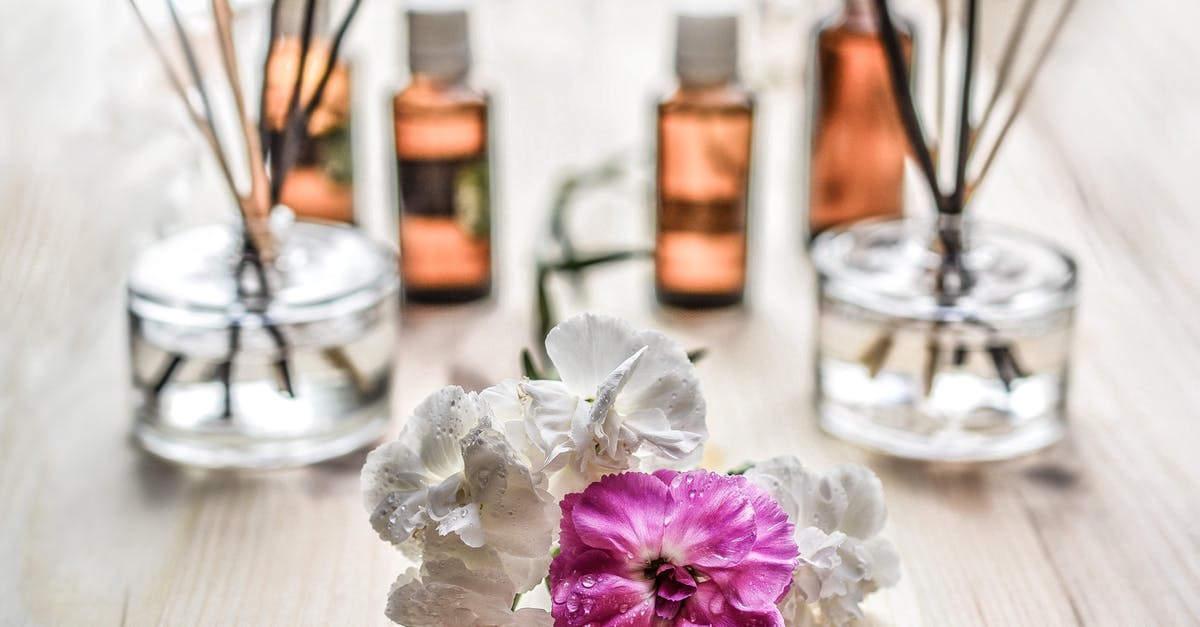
(964, 114)
(904, 101)
(167, 374)
(287, 141)
(334, 48)
(225, 370)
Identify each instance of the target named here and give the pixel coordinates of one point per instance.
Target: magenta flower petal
(598, 590)
(754, 581)
(623, 513)
(568, 539)
(708, 608)
(711, 521)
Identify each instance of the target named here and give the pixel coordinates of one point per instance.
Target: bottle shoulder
(731, 96)
(425, 93)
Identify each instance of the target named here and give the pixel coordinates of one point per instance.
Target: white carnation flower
(627, 399)
(459, 585)
(838, 517)
(449, 473)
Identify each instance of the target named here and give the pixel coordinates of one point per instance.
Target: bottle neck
(437, 81)
(860, 15)
(707, 87)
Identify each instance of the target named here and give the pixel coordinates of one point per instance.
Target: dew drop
(587, 581)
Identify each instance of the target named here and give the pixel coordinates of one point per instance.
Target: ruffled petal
(586, 348)
(652, 427)
(710, 522)
(591, 587)
(865, 511)
(624, 514)
(666, 379)
(810, 499)
(465, 522)
(456, 585)
(516, 514)
(709, 607)
(437, 425)
(551, 423)
(764, 575)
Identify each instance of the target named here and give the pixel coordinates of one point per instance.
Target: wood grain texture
(1099, 530)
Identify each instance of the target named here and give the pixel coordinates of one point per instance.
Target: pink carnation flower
(692, 548)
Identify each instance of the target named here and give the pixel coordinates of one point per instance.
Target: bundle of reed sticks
(977, 140)
(270, 152)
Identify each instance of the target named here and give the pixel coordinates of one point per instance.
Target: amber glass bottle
(704, 144)
(318, 186)
(441, 125)
(858, 143)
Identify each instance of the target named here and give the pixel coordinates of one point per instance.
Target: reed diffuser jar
(947, 339)
(268, 344)
(906, 371)
(225, 378)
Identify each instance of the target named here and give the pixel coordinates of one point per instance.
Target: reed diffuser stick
(939, 76)
(202, 123)
(1016, 35)
(331, 60)
(257, 226)
(964, 113)
(1021, 95)
(904, 100)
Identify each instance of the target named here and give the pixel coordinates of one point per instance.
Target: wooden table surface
(1099, 530)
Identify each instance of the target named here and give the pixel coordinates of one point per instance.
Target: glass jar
(225, 377)
(909, 372)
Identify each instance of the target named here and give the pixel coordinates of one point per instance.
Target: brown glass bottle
(441, 126)
(704, 145)
(858, 143)
(318, 186)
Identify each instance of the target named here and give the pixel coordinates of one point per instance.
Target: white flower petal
(551, 423)
(810, 499)
(652, 427)
(443, 497)
(436, 426)
(585, 349)
(457, 585)
(465, 522)
(392, 467)
(517, 515)
(666, 379)
(865, 511)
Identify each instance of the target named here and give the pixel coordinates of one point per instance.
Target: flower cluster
(479, 487)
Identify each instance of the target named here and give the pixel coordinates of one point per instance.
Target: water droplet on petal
(587, 581)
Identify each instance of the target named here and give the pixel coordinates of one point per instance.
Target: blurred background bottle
(319, 186)
(704, 144)
(441, 125)
(858, 143)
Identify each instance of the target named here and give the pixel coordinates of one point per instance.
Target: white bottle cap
(706, 48)
(438, 42)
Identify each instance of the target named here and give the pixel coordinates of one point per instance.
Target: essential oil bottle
(858, 143)
(704, 127)
(319, 185)
(441, 125)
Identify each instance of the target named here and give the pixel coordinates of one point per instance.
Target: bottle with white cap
(442, 146)
(705, 126)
